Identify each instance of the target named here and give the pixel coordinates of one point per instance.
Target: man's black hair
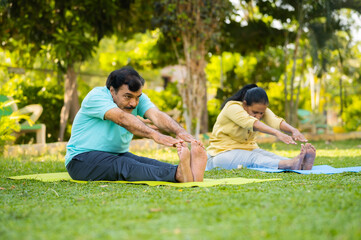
(125, 75)
(251, 93)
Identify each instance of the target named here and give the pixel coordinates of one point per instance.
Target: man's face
(126, 99)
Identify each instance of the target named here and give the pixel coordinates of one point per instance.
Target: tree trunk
(293, 108)
(221, 80)
(285, 80)
(204, 119)
(300, 84)
(194, 88)
(341, 84)
(186, 116)
(311, 78)
(197, 31)
(71, 101)
(194, 93)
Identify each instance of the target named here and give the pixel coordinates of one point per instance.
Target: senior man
(103, 128)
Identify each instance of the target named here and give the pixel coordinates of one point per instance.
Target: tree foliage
(310, 30)
(70, 31)
(283, 45)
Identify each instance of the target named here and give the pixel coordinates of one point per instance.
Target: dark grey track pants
(97, 165)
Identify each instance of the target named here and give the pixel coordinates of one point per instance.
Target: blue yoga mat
(320, 169)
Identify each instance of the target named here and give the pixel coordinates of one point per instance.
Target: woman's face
(256, 110)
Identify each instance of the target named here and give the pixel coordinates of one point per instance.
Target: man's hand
(285, 138)
(184, 135)
(189, 138)
(297, 136)
(167, 124)
(166, 140)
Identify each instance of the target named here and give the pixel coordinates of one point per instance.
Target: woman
(233, 140)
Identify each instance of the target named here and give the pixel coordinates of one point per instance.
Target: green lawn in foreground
(298, 207)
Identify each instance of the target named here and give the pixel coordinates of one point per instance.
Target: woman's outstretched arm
(261, 127)
(296, 134)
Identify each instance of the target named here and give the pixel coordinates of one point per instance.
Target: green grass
(298, 207)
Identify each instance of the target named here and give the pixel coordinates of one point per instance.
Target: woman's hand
(285, 138)
(297, 136)
(260, 126)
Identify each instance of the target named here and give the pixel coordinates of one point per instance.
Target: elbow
(117, 116)
(121, 119)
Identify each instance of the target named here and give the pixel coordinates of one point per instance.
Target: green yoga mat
(64, 176)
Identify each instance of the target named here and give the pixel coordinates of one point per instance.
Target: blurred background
(193, 55)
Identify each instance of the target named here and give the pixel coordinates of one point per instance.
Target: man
(104, 126)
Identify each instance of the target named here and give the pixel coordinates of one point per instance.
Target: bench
(35, 110)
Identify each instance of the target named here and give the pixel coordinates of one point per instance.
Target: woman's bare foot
(295, 163)
(184, 172)
(310, 157)
(198, 160)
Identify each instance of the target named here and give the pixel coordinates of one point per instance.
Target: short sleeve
(239, 116)
(97, 103)
(272, 119)
(143, 105)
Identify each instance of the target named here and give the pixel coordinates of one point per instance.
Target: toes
(303, 149)
(312, 148)
(200, 144)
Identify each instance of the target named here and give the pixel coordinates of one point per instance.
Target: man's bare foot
(295, 163)
(198, 160)
(310, 157)
(184, 172)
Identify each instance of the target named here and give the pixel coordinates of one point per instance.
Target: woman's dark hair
(251, 93)
(125, 75)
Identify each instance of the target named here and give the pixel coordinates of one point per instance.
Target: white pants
(257, 158)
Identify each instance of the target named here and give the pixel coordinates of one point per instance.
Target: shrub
(46, 90)
(351, 114)
(168, 100)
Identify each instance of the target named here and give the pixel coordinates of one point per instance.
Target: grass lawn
(298, 207)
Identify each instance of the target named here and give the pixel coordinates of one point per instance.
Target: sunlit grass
(324, 153)
(298, 207)
(163, 154)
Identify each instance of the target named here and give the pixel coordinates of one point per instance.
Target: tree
(69, 31)
(196, 25)
(313, 23)
(253, 35)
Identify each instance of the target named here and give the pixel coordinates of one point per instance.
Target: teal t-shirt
(91, 132)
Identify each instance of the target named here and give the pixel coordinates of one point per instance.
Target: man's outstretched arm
(137, 127)
(165, 122)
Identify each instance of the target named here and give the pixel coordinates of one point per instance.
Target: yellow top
(234, 129)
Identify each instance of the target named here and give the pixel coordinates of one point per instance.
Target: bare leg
(310, 157)
(294, 163)
(184, 172)
(198, 160)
